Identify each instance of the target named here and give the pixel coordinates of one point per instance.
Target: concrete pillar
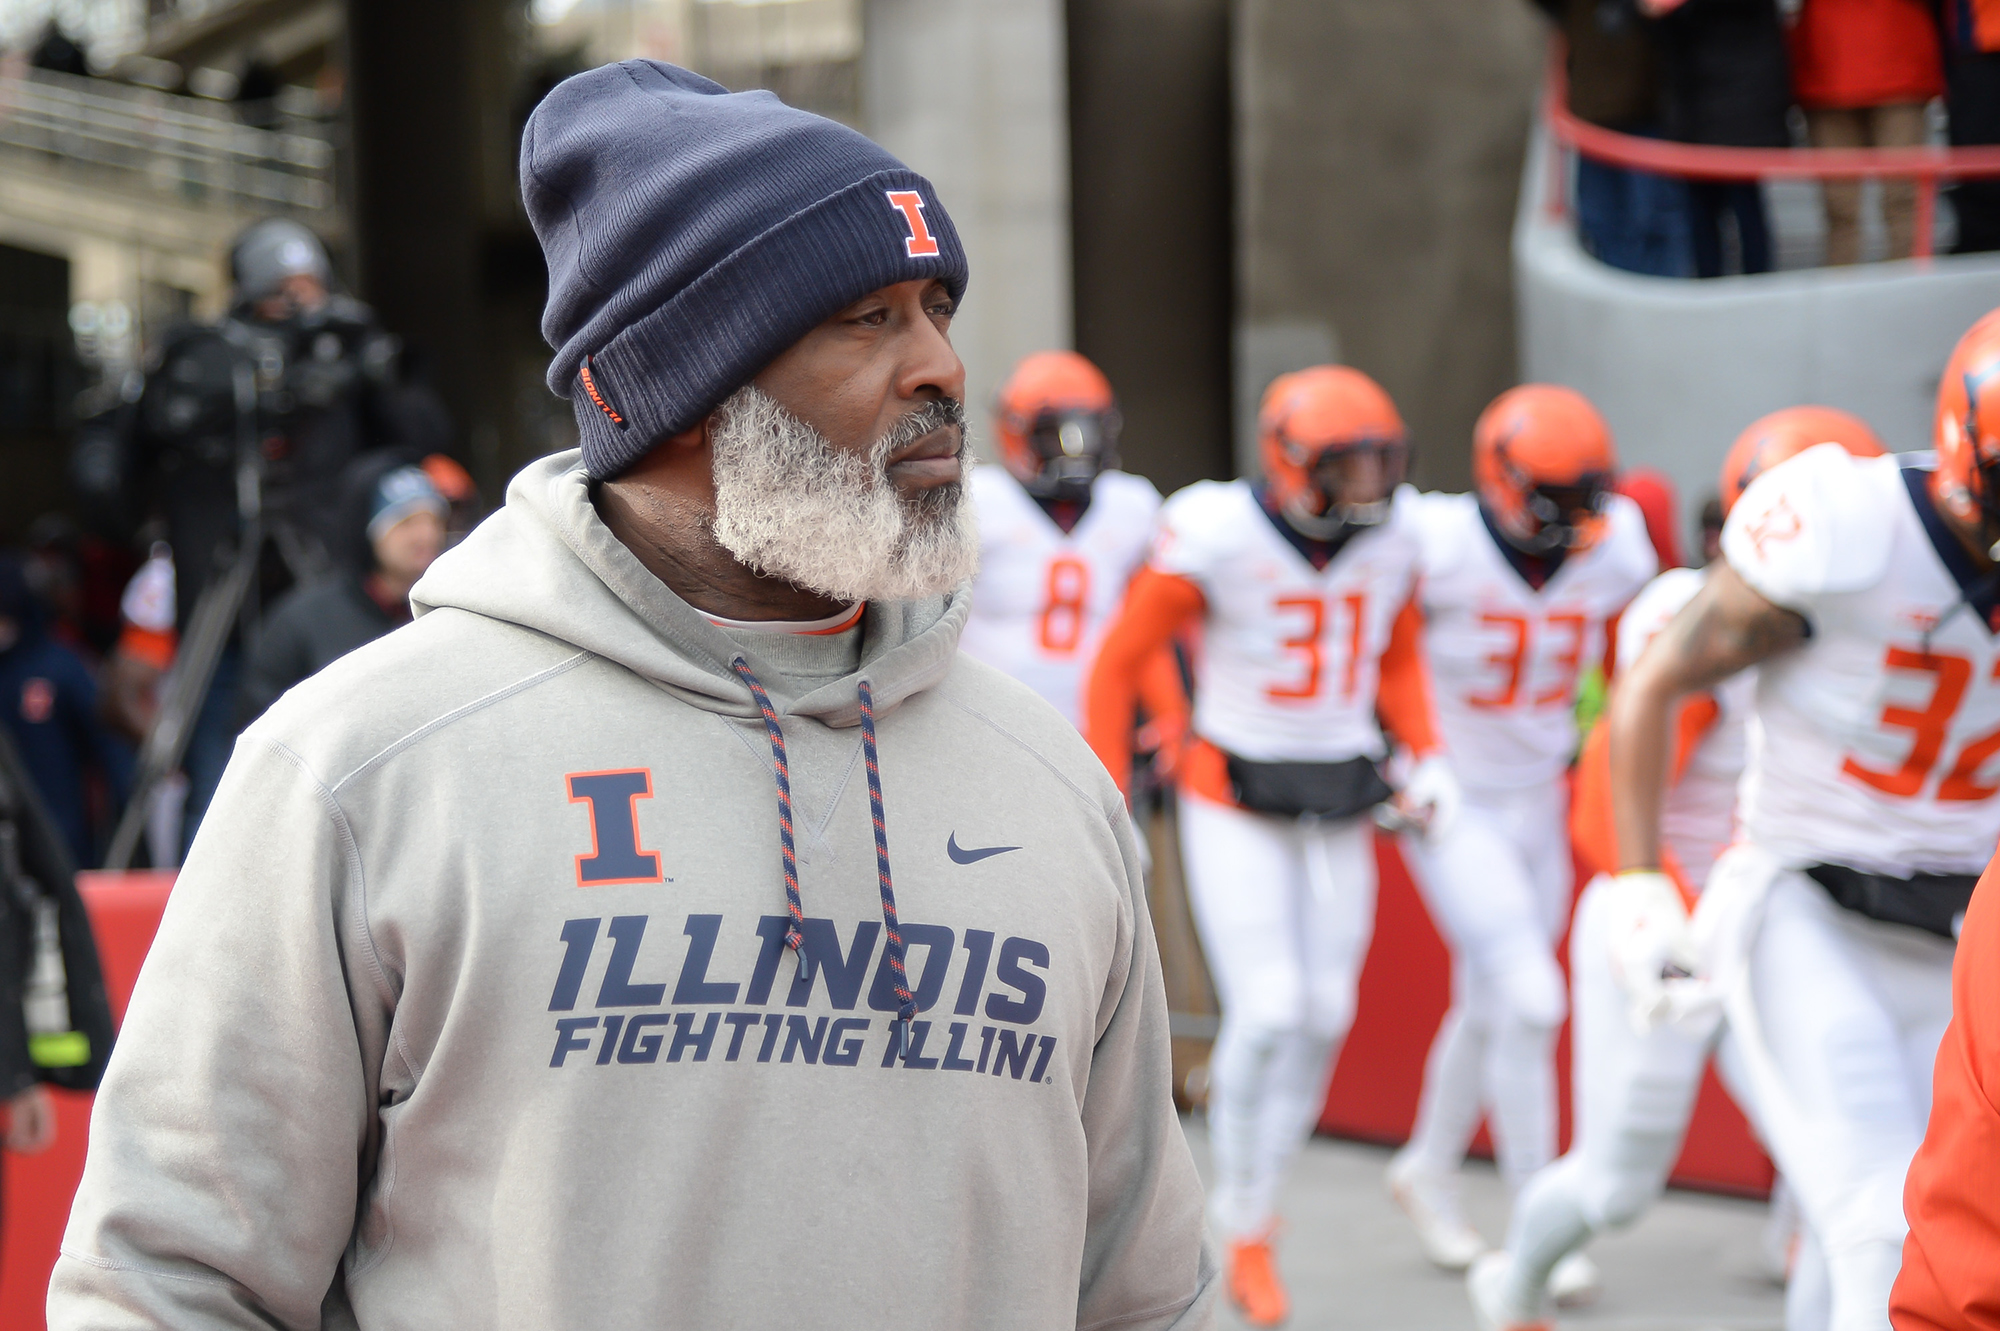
(972, 94)
(1378, 151)
(445, 253)
(1150, 183)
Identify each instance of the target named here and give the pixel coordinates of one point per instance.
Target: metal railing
(1929, 167)
(151, 140)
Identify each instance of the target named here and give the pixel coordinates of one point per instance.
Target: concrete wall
(1378, 149)
(1680, 367)
(972, 94)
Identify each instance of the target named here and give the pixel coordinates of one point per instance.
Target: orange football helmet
(1543, 462)
(1333, 448)
(1966, 483)
(1058, 425)
(1784, 434)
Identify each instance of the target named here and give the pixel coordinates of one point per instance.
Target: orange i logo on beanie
(921, 244)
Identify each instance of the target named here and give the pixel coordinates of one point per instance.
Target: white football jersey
(1290, 654)
(1876, 742)
(1504, 657)
(1043, 599)
(1698, 817)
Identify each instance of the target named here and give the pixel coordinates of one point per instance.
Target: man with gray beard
(670, 928)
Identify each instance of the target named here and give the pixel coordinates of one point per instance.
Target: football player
(1061, 531)
(1863, 589)
(1302, 585)
(1634, 1076)
(1522, 580)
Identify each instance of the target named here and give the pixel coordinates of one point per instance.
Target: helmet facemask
(1348, 485)
(1565, 516)
(1072, 446)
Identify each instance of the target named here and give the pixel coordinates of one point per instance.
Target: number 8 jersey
(1505, 656)
(1876, 742)
(1043, 597)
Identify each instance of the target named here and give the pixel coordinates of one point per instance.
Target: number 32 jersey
(1291, 655)
(1876, 742)
(1505, 657)
(1043, 598)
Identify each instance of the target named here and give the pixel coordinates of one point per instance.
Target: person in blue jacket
(48, 702)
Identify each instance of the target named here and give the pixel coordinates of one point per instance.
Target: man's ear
(693, 439)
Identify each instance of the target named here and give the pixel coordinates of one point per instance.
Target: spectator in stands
(1725, 82)
(48, 702)
(402, 515)
(1863, 71)
(1972, 98)
(1629, 219)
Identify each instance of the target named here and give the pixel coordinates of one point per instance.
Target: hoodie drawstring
(795, 937)
(906, 1003)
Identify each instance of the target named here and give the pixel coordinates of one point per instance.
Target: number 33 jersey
(1876, 742)
(1291, 655)
(1504, 656)
(1043, 598)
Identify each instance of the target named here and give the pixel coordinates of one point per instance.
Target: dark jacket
(48, 706)
(310, 629)
(1726, 75)
(30, 843)
(341, 392)
(1612, 62)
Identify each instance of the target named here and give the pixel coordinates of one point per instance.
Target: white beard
(790, 505)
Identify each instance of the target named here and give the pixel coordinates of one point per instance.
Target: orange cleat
(1254, 1286)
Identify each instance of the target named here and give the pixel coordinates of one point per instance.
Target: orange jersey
(1951, 1259)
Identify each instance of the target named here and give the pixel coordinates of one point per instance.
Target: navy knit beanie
(693, 234)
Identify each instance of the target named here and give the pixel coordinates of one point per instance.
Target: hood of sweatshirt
(547, 562)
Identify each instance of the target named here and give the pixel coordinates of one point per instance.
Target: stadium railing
(1929, 166)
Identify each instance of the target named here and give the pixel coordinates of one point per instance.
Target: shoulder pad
(1133, 487)
(1626, 542)
(1657, 603)
(1199, 523)
(1817, 524)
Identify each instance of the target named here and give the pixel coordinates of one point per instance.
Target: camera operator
(245, 427)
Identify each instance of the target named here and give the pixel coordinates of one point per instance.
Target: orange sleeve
(1949, 1276)
(1611, 646)
(1697, 714)
(1165, 700)
(1592, 831)
(1404, 695)
(1156, 605)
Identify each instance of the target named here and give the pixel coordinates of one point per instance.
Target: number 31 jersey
(1505, 657)
(1043, 598)
(1876, 742)
(1290, 654)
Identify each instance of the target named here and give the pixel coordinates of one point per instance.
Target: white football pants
(1836, 1044)
(1285, 908)
(1497, 885)
(1633, 1095)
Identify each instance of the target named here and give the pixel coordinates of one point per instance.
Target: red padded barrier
(1405, 986)
(124, 911)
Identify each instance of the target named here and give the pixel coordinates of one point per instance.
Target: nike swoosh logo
(960, 855)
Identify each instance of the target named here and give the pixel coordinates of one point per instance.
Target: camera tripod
(227, 602)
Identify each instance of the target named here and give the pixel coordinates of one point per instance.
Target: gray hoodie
(472, 1008)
